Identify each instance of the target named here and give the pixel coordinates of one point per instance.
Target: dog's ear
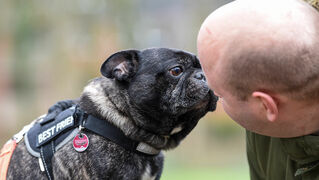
(121, 65)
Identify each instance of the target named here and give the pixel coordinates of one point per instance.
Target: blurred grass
(218, 173)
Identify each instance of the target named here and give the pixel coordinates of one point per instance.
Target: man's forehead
(213, 76)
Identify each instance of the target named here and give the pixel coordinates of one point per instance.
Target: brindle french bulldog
(155, 96)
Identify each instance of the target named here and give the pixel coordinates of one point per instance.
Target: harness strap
(47, 152)
(109, 131)
(97, 126)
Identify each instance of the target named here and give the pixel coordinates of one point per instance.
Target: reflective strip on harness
(5, 156)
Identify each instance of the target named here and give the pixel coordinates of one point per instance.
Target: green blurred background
(49, 50)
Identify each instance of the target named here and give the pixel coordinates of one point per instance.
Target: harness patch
(44, 138)
(59, 132)
(54, 130)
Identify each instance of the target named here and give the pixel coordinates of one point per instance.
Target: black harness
(44, 138)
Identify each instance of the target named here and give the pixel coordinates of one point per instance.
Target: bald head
(263, 45)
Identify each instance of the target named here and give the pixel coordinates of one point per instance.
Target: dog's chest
(147, 175)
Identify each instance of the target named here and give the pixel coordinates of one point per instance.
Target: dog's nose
(200, 76)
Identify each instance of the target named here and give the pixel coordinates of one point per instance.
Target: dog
(154, 96)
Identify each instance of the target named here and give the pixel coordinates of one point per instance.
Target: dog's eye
(175, 71)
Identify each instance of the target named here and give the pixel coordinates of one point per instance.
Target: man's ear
(268, 103)
(121, 65)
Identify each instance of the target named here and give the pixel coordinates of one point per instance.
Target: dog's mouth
(212, 104)
(203, 102)
(209, 102)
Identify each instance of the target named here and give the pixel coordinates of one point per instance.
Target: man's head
(262, 58)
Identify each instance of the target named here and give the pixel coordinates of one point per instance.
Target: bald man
(261, 57)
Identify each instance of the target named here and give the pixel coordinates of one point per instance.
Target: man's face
(223, 38)
(238, 110)
(252, 113)
(245, 113)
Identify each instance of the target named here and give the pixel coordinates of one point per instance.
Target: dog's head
(165, 86)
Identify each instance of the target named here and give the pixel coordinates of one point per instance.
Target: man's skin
(261, 57)
(234, 32)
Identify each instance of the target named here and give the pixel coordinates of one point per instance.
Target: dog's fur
(140, 95)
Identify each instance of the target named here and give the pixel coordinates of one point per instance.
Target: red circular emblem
(80, 142)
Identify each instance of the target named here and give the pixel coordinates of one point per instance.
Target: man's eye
(176, 71)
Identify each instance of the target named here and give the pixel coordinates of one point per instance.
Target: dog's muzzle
(212, 104)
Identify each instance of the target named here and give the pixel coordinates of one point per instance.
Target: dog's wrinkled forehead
(164, 54)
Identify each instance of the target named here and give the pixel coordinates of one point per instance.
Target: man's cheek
(228, 108)
(225, 105)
